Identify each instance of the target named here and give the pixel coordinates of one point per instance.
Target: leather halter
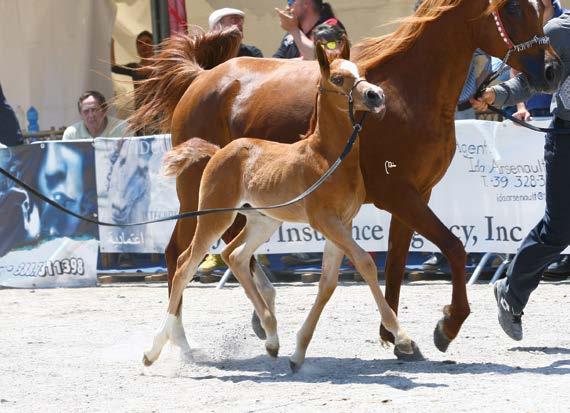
(511, 46)
(355, 125)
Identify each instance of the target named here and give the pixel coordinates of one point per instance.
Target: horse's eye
(514, 8)
(337, 80)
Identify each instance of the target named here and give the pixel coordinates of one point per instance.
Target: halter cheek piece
(355, 125)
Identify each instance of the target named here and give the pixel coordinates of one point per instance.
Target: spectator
(299, 20)
(95, 121)
(144, 50)
(10, 133)
(223, 18)
(551, 235)
(137, 71)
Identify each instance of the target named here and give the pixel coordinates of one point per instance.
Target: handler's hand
(482, 104)
(287, 20)
(522, 114)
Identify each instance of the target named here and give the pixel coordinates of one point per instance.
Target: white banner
(62, 262)
(41, 246)
(491, 196)
(131, 188)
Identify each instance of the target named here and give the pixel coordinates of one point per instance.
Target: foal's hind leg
(238, 255)
(267, 291)
(332, 258)
(208, 231)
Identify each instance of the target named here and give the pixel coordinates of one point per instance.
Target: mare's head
(340, 77)
(515, 27)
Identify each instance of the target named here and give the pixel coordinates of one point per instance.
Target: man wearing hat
(223, 18)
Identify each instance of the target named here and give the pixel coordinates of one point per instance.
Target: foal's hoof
(257, 328)
(295, 367)
(440, 339)
(409, 354)
(273, 352)
(146, 361)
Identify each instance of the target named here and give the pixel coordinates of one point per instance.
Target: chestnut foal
(260, 173)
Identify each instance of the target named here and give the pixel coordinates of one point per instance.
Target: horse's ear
(322, 58)
(345, 53)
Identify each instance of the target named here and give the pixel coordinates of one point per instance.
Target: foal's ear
(322, 58)
(345, 52)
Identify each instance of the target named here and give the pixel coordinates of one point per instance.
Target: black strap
(481, 90)
(349, 144)
(553, 131)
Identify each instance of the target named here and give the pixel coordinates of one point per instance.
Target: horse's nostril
(552, 73)
(372, 95)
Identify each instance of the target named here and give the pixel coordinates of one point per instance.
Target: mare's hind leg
(332, 258)
(238, 255)
(412, 210)
(208, 231)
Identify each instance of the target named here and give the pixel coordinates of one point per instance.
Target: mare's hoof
(385, 335)
(273, 352)
(294, 366)
(146, 361)
(440, 340)
(256, 325)
(415, 355)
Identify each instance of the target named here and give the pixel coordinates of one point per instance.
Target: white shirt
(115, 128)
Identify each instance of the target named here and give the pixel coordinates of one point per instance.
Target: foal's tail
(181, 59)
(182, 156)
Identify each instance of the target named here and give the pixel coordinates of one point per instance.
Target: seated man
(94, 119)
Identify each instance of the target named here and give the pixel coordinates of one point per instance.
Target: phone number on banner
(516, 181)
(66, 266)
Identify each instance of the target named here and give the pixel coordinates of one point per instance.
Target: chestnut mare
(421, 67)
(259, 172)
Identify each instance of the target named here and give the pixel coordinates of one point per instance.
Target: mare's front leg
(332, 258)
(412, 210)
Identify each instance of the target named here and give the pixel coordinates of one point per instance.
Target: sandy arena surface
(69, 350)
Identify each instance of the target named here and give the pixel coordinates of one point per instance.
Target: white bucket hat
(217, 15)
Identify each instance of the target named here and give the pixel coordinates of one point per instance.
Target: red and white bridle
(536, 40)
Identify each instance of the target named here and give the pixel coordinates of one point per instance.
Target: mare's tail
(181, 59)
(182, 156)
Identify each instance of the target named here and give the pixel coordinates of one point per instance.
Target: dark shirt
(248, 50)
(130, 69)
(10, 133)
(288, 48)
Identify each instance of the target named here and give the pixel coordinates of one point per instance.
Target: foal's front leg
(332, 258)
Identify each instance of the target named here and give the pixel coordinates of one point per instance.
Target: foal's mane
(376, 50)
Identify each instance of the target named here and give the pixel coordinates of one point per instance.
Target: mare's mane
(376, 50)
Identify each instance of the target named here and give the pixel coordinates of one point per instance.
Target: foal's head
(341, 77)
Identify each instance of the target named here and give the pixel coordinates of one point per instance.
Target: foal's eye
(337, 80)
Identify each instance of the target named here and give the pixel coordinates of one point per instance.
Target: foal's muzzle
(374, 100)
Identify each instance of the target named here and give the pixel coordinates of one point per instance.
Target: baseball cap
(217, 15)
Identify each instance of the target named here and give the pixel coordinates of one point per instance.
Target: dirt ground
(80, 350)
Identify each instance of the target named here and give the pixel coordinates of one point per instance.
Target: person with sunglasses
(299, 19)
